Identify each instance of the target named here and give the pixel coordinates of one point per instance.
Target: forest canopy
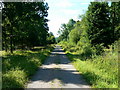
(24, 25)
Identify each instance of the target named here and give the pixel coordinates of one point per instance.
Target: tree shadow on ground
(66, 76)
(21, 61)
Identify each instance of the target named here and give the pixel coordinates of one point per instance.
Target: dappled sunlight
(47, 75)
(81, 52)
(26, 62)
(58, 69)
(97, 69)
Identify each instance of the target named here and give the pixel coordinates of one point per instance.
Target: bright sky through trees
(61, 11)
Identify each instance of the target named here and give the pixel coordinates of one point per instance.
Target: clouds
(69, 11)
(55, 23)
(64, 4)
(61, 11)
(84, 3)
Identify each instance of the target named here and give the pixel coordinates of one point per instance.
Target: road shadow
(66, 76)
(57, 54)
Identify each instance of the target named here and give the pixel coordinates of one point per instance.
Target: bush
(74, 36)
(14, 79)
(99, 49)
(101, 71)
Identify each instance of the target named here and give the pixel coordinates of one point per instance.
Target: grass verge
(100, 71)
(18, 68)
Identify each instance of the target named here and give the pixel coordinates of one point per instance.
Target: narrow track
(57, 72)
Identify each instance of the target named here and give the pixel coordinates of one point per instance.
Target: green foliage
(19, 67)
(94, 31)
(99, 23)
(74, 36)
(65, 30)
(101, 71)
(95, 53)
(84, 46)
(117, 32)
(14, 79)
(115, 19)
(51, 38)
(66, 45)
(71, 24)
(24, 25)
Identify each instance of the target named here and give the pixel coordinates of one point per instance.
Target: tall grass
(18, 68)
(100, 71)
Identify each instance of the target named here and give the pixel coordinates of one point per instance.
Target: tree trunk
(11, 41)
(6, 47)
(22, 44)
(113, 24)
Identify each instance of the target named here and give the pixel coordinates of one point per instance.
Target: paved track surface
(57, 72)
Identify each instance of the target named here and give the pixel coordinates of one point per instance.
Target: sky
(61, 11)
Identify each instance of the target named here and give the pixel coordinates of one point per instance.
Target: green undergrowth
(17, 68)
(100, 71)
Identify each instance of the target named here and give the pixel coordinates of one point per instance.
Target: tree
(24, 24)
(74, 36)
(65, 30)
(51, 38)
(115, 20)
(99, 23)
(71, 24)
